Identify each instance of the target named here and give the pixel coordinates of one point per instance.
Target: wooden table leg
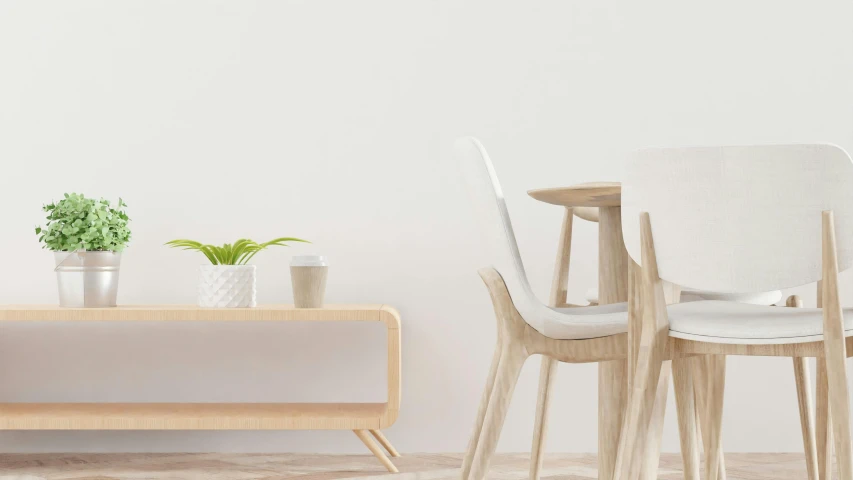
(613, 265)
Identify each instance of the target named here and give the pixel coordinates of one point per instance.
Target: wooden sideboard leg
(375, 450)
(385, 443)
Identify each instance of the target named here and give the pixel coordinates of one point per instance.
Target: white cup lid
(308, 261)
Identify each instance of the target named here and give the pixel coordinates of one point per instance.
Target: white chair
(525, 325)
(737, 220)
(801, 379)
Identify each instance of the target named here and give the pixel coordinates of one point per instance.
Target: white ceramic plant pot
(230, 286)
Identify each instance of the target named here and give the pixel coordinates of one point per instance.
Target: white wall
(334, 121)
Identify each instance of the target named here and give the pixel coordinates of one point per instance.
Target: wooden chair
(525, 325)
(738, 219)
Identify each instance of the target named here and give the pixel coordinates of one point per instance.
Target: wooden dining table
(618, 275)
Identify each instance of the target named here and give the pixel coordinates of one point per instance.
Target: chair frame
(656, 346)
(516, 341)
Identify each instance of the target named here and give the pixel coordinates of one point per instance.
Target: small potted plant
(87, 237)
(228, 281)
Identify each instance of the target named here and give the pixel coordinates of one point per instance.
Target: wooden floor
(218, 466)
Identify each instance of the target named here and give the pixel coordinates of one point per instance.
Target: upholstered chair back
(739, 219)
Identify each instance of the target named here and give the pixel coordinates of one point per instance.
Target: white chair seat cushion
(577, 323)
(740, 323)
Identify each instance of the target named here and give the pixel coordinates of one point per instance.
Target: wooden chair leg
(835, 354)
(638, 414)
(839, 404)
(481, 412)
(512, 359)
(654, 340)
(612, 400)
(375, 449)
(823, 437)
(547, 374)
(713, 428)
(548, 370)
(804, 398)
(651, 457)
(385, 443)
(839, 401)
(700, 367)
(686, 406)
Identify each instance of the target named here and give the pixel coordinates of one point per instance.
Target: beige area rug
(217, 466)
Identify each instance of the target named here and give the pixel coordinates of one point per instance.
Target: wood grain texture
(511, 334)
(613, 260)
(651, 453)
(686, 405)
(804, 401)
(193, 313)
(394, 374)
(560, 279)
(380, 437)
(601, 349)
(701, 367)
(692, 347)
(375, 450)
(712, 428)
(612, 401)
(547, 374)
(651, 354)
(548, 366)
(635, 317)
(823, 431)
(835, 354)
(513, 357)
(613, 271)
(598, 194)
(474, 440)
(191, 416)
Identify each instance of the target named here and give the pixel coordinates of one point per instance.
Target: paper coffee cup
(308, 277)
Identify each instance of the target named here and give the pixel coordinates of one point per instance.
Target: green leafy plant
(238, 253)
(80, 223)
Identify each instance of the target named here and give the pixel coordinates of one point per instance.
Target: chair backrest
(492, 215)
(739, 219)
